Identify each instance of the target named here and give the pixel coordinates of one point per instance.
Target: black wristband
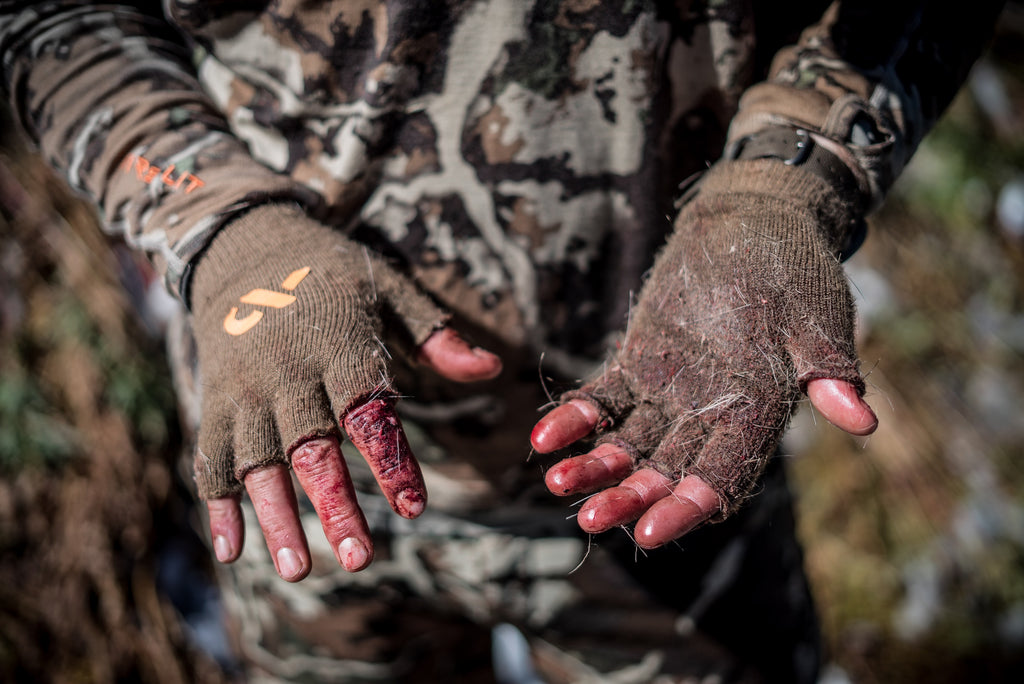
(796, 147)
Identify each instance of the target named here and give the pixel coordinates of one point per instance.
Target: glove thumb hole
(821, 332)
(408, 314)
(824, 352)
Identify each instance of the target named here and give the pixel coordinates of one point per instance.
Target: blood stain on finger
(563, 426)
(377, 433)
(375, 430)
(411, 503)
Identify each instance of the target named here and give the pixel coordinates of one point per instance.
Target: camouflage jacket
(521, 157)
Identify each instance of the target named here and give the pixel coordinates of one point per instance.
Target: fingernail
(288, 563)
(410, 503)
(353, 554)
(222, 549)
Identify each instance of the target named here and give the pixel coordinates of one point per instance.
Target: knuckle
(342, 521)
(313, 456)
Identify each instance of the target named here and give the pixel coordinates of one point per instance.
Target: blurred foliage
(915, 536)
(33, 429)
(88, 443)
(30, 431)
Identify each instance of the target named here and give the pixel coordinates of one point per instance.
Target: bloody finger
(604, 466)
(691, 503)
(321, 470)
(376, 431)
(564, 425)
(625, 503)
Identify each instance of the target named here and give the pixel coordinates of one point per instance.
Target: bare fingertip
(223, 549)
(289, 565)
(449, 354)
(554, 480)
(492, 362)
(840, 403)
(563, 426)
(864, 430)
(867, 421)
(587, 520)
(644, 536)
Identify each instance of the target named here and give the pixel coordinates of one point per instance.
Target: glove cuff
(800, 148)
(838, 211)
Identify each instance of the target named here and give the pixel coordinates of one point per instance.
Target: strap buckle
(793, 146)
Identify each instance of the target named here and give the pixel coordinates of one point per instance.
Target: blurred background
(914, 537)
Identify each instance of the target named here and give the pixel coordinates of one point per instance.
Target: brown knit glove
(746, 304)
(290, 321)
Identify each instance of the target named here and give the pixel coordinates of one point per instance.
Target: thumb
(408, 313)
(449, 355)
(842, 405)
(819, 329)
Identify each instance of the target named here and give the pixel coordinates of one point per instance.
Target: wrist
(779, 186)
(800, 148)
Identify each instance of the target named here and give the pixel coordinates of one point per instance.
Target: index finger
(376, 431)
(564, 425)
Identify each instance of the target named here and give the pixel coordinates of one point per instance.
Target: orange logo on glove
(260, 297)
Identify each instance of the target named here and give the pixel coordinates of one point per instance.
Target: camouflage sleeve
(870, 80)
(108, 94)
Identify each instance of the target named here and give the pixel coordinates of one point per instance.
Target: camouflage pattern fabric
(521, 160)
(521, 157)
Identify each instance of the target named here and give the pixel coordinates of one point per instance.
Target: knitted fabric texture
(291, 319)
(745, 305)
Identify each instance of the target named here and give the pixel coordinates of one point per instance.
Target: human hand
(746, 307)
(289, 320)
